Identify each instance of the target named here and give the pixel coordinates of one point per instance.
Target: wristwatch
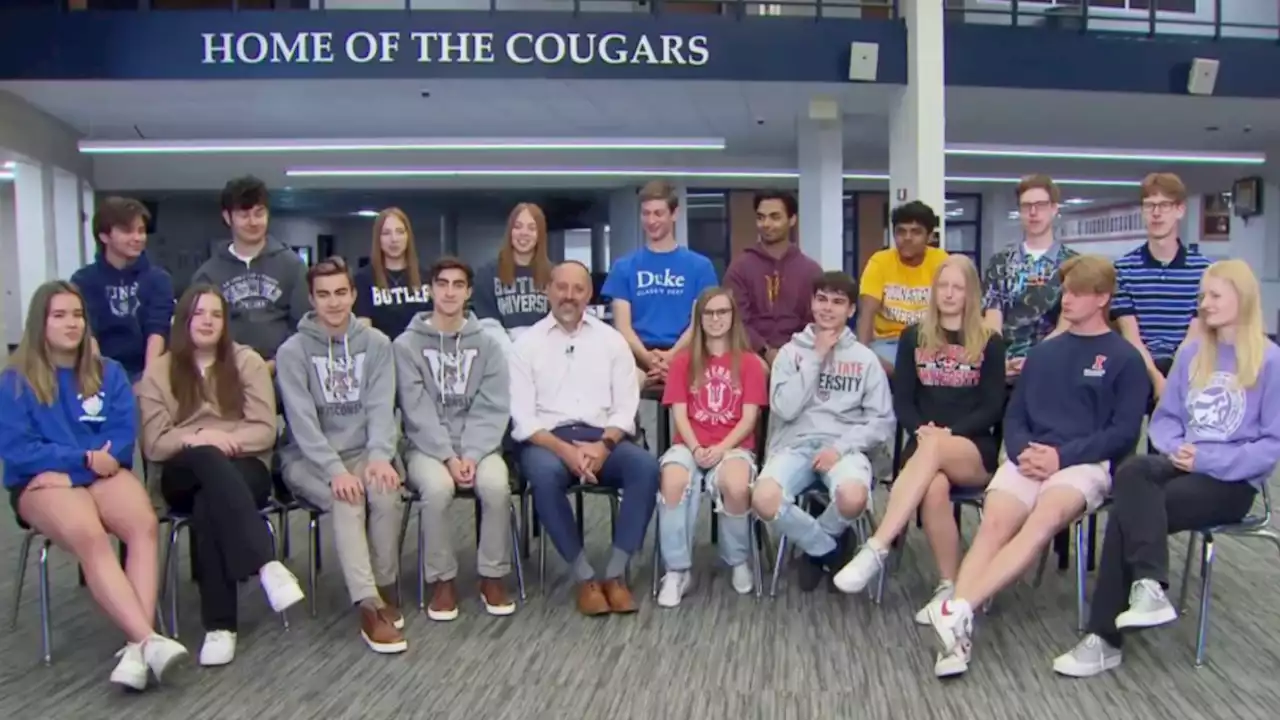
(609, 443)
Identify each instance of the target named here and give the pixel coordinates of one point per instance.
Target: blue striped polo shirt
(1163, 297)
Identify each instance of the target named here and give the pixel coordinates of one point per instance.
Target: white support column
(682, 216)
(88, 204)
(821, 150)
(67, 228)
(624, 222)
(917, 120)
(11, 317)
(33, 247)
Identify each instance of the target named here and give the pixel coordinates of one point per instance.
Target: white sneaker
(955, 662)
(131, 671)
(952, 620)
(165, 657)
(744, 578)
(945, 591)
(862, 569)
(219, 648)
(280, 585)
(1148, 607)
(674, 585)
(1091, 656)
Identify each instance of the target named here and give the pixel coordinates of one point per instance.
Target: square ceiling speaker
(1203, 76)
(864, 60)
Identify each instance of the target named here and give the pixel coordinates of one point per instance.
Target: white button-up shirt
(587, 377)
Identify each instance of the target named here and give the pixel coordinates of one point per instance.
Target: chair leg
(169, 575)
(1082, 570)
(24, 551)
(657, 555)
(517, 552)
(275, 552)
(282, 518)
(1206, 587)
(525, 546)
(422, 573)
(757, 572)
(777, 566)
(313, 558)
(1186, 573)
(46, 622)
(542, 547)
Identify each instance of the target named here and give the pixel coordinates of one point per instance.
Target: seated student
(716, 387)
(573, 404)
(1217, 429)
(895, 284)
(67, 428)
(209, 415)
(338, 385)
(511, 291)
(1076, 410)
(389, 290)
(948, 395)
(830, 405)
(653, 289)
(453, 389)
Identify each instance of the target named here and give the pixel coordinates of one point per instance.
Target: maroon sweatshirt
(774, 295)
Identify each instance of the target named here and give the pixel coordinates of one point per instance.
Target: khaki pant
(493, 486)
(367, 535)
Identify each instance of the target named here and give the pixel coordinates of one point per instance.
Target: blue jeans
(676, 524)
(628, 468)
(792, 469)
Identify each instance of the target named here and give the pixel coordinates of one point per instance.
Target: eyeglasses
(1163, 206)
(717, 312)
(1039, 207)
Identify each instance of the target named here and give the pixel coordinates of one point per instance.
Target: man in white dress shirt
(573, 407)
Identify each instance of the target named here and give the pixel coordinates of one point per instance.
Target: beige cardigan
(256, 432)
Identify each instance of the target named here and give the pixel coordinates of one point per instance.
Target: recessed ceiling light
(189, 147)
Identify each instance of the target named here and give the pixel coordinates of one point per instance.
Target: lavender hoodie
(773, 320)
(1236, 432)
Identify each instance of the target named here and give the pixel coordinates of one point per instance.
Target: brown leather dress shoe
(619, 596)
(378, 632)
(391, 605)
(591, 599)
(494, 596)
(444, 601)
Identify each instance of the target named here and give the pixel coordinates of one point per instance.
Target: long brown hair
(378, 260)
(33, 359)
(222, 384)
(737, 339)
(507, 255)
(931, 337)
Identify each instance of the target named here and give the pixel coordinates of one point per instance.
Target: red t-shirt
(716, 408)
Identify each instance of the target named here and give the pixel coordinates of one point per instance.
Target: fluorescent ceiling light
(366, 213)
(185, 147)
(1121, 154)
(6, 176)
(689, 173)
(9, 165)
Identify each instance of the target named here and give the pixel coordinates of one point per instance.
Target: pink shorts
(1093, 481)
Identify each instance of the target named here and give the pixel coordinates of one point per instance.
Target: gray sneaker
(1091, 656)
(1148, 607)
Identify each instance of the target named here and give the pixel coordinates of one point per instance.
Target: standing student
(454, 392)
(511, 291)
(262, 279)
(895, 284)
(948, 395)
(653, 289)
(1022, 290)
(128, 300)
(716, 388)
(209, 417)
(772, 282)
(338, 385)
(1159, 282)
(1217, 432)
(830, 406)
(390, 290)
(1076, 411)
(67, 428)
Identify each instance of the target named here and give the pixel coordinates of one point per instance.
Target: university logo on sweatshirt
(341, 379)
(252, 291)
(1216, 411)
(840, 376)
(452, 372)
(123, 299)
(91, 408)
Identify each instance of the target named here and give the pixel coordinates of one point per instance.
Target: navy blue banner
(353, 44)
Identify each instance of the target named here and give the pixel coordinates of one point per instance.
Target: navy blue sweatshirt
(125, 306)
(1085, 396)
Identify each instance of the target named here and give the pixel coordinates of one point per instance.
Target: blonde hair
(737, 339)
(33, 359)
(1251, 340)
(930, 335)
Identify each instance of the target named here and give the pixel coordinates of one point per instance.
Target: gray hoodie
(339, 395)
(842, 401)
(454, 389)
(267, 296)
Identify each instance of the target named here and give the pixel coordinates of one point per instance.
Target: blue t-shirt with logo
(662, 288)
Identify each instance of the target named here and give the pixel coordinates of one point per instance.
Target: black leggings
(223, 496)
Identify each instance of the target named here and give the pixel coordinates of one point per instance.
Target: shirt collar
(1179, 259)
(1052, 251)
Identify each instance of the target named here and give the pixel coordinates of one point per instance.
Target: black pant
(223, 496)
(1151, 500)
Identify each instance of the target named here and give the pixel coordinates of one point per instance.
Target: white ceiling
(757, 121)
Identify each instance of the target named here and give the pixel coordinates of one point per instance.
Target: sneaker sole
(1130, 620)
(130, 684)
(442, 615)
(176, 672)
(1077, 671)
(385, 648)
(498, 610)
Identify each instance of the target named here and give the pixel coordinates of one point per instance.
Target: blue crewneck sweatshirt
(125, 307)
(36, 438)
(1083, 395)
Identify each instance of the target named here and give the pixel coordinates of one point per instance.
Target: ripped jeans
(676, 524)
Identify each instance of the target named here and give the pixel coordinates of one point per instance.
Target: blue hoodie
(126, 306)
(36, 438)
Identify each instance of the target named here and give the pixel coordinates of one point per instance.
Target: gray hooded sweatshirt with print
(454, 389)
(266, 296)
(339, 395)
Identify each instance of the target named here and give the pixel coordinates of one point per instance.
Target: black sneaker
(815, 568)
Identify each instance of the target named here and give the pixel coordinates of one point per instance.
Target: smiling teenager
(511, 291)
(389, 290)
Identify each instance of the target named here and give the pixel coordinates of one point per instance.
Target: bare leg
(69, 517)
(940, 527)
(126, 511)
(1002, 517)
(734, 481)
(957, 457)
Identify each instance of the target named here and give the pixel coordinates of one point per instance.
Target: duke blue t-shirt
(662, 288)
